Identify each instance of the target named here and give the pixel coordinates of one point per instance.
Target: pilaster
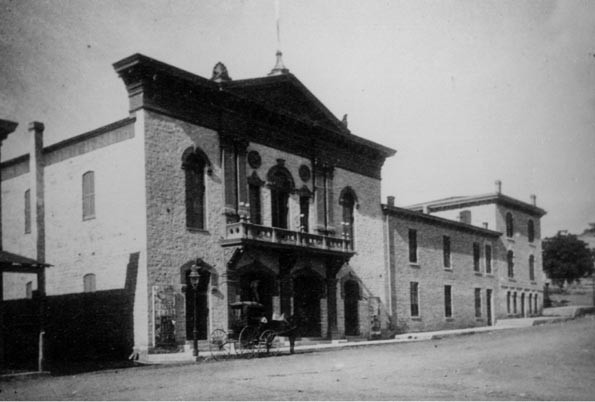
(37, 188)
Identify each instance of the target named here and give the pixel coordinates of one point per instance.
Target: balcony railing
(278, 236)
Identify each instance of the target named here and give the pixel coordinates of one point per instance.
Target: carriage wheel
(219, 344)
(248, 342)
(270, 343)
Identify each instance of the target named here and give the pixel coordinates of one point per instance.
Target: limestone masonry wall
(431, 275)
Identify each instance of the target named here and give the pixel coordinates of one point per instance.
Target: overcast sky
(466, 91)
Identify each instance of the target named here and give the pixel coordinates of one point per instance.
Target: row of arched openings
(260, 285)
(281, 184)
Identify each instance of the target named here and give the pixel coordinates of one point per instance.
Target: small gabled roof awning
(10, 262)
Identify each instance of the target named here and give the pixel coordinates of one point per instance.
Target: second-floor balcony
(248, 233)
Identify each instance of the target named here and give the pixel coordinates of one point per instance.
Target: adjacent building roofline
(446, 204)
(432, 219)
(14, 161)
(89, 134)
(73, 140)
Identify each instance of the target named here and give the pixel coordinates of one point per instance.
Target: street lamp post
(194, 280)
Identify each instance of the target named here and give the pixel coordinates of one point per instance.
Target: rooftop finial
(279, 66)
(220, 73)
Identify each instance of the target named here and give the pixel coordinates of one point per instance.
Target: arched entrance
(202, 305)
(258, 285)
(307, 292)
(351, 304)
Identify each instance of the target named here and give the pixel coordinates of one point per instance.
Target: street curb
(24, 375)
(401, 338)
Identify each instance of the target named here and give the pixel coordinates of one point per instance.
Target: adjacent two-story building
(516, 253)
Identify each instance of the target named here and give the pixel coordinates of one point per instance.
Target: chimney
(6, 127)
(485, 225)
(390, 200)
(534, 200)
(465, 217)
(36, 169)
(498, 184)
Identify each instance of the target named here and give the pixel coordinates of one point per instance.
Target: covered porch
(291, 280)
(26, 320)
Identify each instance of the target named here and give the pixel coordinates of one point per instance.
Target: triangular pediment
(287, 94)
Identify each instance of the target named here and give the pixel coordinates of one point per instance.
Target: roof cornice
(491, 198)
(432, 219)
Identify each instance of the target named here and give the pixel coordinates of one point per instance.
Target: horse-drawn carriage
(250, 332)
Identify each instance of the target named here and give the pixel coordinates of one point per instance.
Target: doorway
(202, 307)
(351, 304)
(522, 304)
(258, 285)
(307, 291)
(489, 306)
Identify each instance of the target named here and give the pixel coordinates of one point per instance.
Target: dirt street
(555, 361)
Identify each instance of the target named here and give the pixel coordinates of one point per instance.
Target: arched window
(532, 267)
(29, 290)
(89, 195)
(89, 283)
(509, 225)
(510, 263)
(194, 163)
(281, 184)
(531, 231)
(348, 200)
(254, 185)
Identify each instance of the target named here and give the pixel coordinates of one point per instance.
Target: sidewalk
(503, 324)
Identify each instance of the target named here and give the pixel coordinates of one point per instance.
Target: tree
(566, 259)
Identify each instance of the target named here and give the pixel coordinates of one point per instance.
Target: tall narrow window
(281, 184)
(448, 301)
(531, 231)
(89, 195)
(446, 251)
(28, 211)
(488, 258)
(255, 210)
(509, 225)
(530, 303)
(412, 245)
(29, 290)
(476, 256)
(414, 295)
(508, 302)
(514, 302)
(304, 213)
(348, 201)
(532, 267)
(510, 263)
(477, 302)
(194, 172)
(89, 283)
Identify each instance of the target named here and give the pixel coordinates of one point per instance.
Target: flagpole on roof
(279, 68)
